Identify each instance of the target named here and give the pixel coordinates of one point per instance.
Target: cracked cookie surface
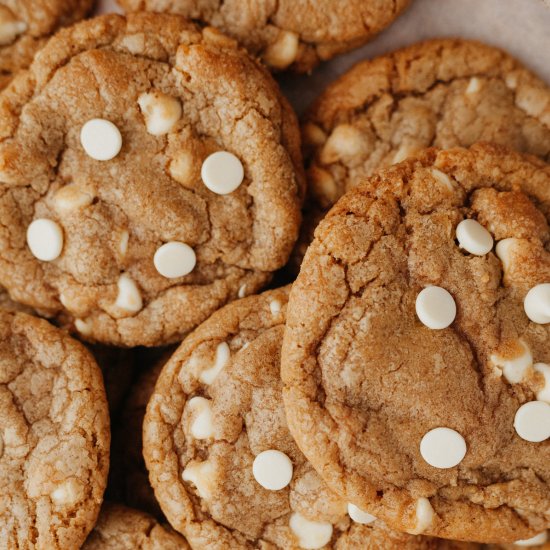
(150, 172)
(122, 528)
(54, 436)
(25, 25)
(285, 33)
(216, 411)
(366, 381)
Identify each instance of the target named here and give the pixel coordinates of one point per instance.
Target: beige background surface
(522, 27)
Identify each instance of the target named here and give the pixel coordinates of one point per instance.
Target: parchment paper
(522, 27)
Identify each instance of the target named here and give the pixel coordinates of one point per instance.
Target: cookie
(25, 26)
(224, 467)
(164, 184)
(122, 528)
(416, 355)
(285, 34)
(442, 93)
(128, 477)
(54, 436)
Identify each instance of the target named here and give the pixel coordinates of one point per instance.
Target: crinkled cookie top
(149, 173)
(443, 93)
(294, 34)
(225, 469)
(416, 358)
(25, 25)
(54, 436)
(122, 528)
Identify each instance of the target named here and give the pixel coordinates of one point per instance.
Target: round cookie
(164, 184)
(122, 528)
(54, 436)
(422, 425)
(442, 93)
(288, 34)
(25, 26)
(128, 476)
(224, 467)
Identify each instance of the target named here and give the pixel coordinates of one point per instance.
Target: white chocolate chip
(161, 112)
(72, 197)
(345, 142)
(474, 238)
(101, 139)
(359, 516)
(202, 425)
(313, 134)
(311, 534)
(222, 357)
(275, 307)
(424, 516)
(10, 27)
(404, 152)
(45, 239)
(323, 186)
(435, 307)
(68, 493)
(174, 259)
(222, 172)
(544, 393)
(242, 291)
(272, 470)
(537, 540)
(123, 240)
(201, 475)
(283, 51)
(443, 178)
(514, 367)
(532, 421)
(129, 297)
(503, 250)
(473, 86)
(537, 304)
(443, 448)
(84, 327)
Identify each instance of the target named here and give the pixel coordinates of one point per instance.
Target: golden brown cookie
(224, 467)
(25, 26)
(416, 379)
(54, 436)
(284, 33)
(122, 528)
(151, 172)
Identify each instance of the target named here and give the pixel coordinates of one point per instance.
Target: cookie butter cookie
(150, 173)
(287, 34)
(444, 93)
(417, 350)
(224, 467)
(25, 25)
(54, 436)
(121, 528)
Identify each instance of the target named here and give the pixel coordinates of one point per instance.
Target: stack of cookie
(359, 338)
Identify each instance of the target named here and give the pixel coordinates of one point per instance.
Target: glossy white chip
(443, 448)
(272, 470)
(101, 139)
(537, 304)
(45, 239)
(175, 259)
(532, 421)
(359, 516)
(435, 307)
(474, 238)
(222, 172)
